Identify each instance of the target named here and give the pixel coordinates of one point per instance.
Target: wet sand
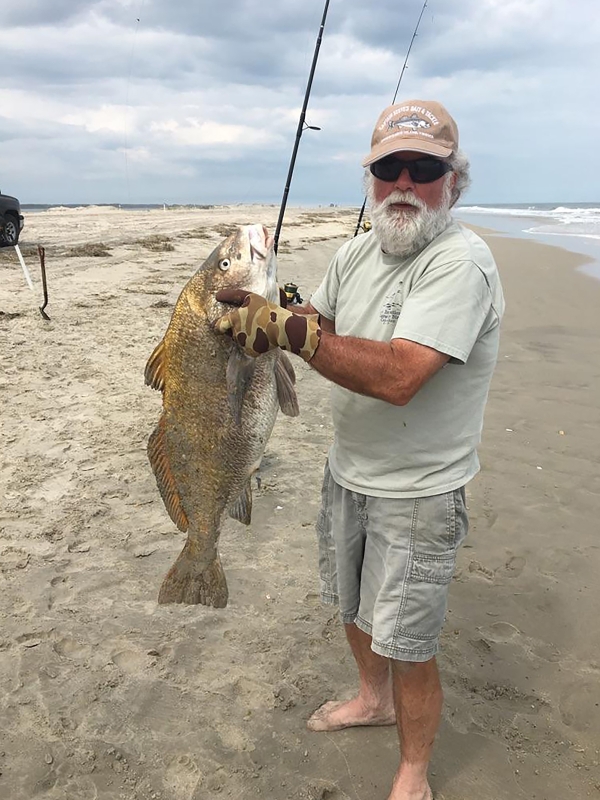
(104, 694)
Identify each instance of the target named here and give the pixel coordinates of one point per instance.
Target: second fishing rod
(414, 36)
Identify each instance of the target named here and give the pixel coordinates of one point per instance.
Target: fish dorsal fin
(154, 373)
(285, 377)
(240, 371)
(161, 466)
(241, 509)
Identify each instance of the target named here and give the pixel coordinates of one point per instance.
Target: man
(407, 330)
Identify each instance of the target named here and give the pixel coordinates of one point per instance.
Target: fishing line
(127, 104)
(414, 36)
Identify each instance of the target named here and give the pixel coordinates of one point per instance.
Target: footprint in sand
(513, 567)
(183, 777)
(477, 568)
(501, 632)
(320, 790)
(60, 591)
(72, 649)
(580, 706)
(31, 639)
(13, 558)
(131, 661)
(547, 652)
(490, 517)
(504, 633)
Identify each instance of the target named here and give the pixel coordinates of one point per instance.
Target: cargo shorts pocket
(326, 542)
(438, 527)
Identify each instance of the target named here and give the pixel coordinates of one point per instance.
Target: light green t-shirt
(447, 297)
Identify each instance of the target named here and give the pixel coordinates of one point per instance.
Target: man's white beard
(402, 233)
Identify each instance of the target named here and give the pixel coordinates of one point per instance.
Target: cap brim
(410, 145)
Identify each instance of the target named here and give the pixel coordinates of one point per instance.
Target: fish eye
(224, 264)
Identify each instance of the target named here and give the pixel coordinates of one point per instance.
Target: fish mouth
(261, 242)
(262, 254)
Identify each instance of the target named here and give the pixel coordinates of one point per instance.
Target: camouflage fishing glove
(258, 325)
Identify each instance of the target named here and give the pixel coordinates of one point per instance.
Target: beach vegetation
(224, 230)
(158, 243)
(196, 233)
(89, 250)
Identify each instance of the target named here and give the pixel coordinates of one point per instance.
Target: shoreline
(510, 226)
(106, 694)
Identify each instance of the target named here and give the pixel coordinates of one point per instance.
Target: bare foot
(403, 796)
(406, 793)
(338, 714)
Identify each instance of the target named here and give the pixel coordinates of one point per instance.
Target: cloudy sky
(197, 101)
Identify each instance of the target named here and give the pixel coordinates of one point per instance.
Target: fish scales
(219, 408)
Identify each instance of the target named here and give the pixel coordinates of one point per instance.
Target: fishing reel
(292, 294)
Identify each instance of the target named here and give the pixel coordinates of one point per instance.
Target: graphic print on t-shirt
(392, 305)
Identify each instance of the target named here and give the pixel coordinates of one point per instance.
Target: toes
(321, 719)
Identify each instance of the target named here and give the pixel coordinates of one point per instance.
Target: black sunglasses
(421, 170)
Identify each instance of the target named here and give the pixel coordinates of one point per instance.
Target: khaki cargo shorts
(388, 562)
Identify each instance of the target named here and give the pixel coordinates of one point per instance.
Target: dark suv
(11, 220)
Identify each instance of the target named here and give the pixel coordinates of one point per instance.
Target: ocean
(574, 226)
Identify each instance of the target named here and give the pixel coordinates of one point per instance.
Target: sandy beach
(104, 695)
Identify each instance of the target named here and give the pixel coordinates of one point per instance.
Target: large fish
(219, 407)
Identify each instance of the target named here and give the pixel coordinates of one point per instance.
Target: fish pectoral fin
(241, 509)
(154, 373)
(161, 466)
(285, 377)
(240, 372)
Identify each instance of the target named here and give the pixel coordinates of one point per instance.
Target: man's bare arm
(393, 371)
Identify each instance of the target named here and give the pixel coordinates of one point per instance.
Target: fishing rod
(302, 126)
(414, 36)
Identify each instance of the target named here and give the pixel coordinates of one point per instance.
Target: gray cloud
(28, 13)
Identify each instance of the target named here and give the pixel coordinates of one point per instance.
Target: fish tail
(190, 581)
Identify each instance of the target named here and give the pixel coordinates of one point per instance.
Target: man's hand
(258, 325)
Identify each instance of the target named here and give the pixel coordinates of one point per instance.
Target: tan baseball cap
(422, 126)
